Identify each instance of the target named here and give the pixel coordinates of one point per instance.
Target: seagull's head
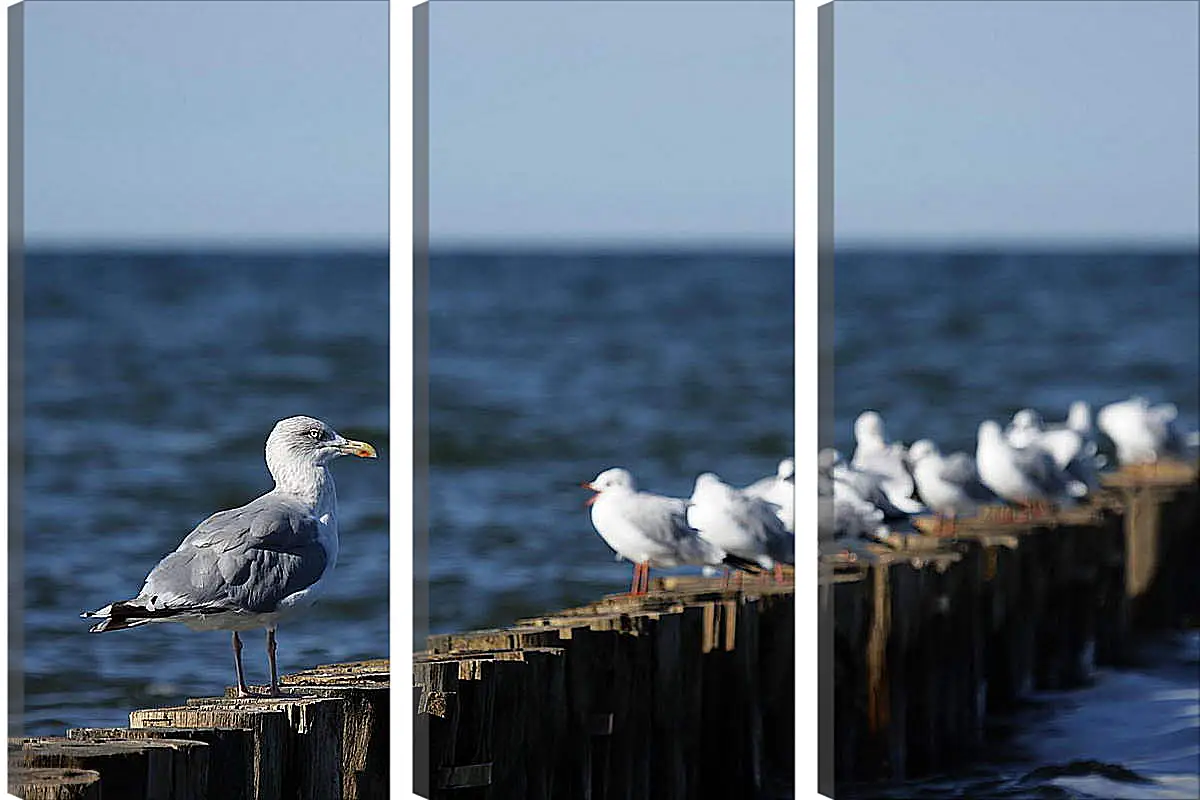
(989, 432)
(307, 440)
(1079, 417)
(868, 427)
(1027, 420)
(787, 470)
(708, 485)
(611, 480)
(921, 449)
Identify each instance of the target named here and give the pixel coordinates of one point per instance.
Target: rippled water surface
(150, 384)
(939, 342)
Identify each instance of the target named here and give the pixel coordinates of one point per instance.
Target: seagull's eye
(315, 433)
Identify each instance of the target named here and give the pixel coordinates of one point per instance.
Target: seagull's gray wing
(665, 521)
(960, 470)
(759, 517)
(1038, 465)
(246, 559)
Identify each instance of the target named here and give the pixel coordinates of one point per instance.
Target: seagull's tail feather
(737, 562)
(128, 614)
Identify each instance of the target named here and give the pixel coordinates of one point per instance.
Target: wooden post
(165, 769)
(50, 783)
(297, 742)
(230, 753)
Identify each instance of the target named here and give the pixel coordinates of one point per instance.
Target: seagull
(1025, 428)
(741, 524)
(779, 489)
(1143, 434)
(649, 529)
(846, 513)
(1025, 476)
(872, 487)
(253, 566)
(1070, 445)
(873, 453)
(949, 485)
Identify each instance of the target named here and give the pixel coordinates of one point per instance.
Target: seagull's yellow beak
(360, 449)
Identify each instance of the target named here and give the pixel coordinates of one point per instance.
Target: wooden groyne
(930, 636)
(689, 691)
(685, 692)
(329, 739)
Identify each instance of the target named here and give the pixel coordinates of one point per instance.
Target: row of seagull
(749, 529)
(1029, 464)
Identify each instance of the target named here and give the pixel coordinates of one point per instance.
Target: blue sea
(150, 383)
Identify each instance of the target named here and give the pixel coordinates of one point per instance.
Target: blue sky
(233, 122)
(1031, 121)
(601, 121)
(580, 121)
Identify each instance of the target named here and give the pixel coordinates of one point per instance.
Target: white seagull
(253, 566)
(849, 515)
(1024, 476)
(1070, 445)
(649, 529)
(1143, 434)
(740, 524)
(874, 454)
(949, 485)
(872, 487)
(779, 489)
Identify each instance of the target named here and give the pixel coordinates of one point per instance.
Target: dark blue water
(547, 369)
(151, 382)
(939, 342)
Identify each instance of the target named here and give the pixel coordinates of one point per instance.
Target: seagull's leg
(778, 572)
(237, 662)
(271, 659)
(637, 573)
(645, 578)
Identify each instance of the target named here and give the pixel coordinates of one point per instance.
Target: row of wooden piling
(929, 636)
(685, 692)
(688, 691)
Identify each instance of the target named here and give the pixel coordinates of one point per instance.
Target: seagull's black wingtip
(737, 562)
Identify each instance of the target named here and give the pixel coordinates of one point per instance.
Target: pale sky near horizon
(668, 121)
(1009, 120)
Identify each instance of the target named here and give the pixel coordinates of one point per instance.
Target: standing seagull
(739, 523)
(949, 485)
(779, 489)
(1026, 476)
(252, 566)
(1143, 434)
(649, 529)
(873, 453)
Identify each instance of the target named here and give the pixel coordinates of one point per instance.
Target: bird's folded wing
(661, 519)
(247, 559)
(958, 469)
